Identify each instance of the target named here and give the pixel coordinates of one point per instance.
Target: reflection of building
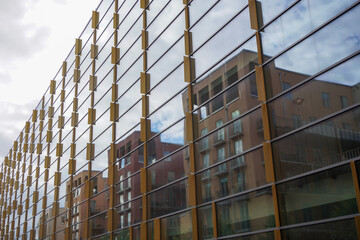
(98, 203)
(130, 161)
(47, 228)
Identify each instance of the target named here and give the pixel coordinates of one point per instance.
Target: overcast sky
(35, 38)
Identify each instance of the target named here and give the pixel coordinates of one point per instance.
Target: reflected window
(203, 97)
(241, 181)
(285, 86)
(220, 132)
(129, 178)
(205, 141)
(253, 87)
(206, 163)
(216, 87)
(232, 77)
(221, 154)
(325, 97)
(171, 176)
(344, 101)
(121, 182)
(207, 188)
(296, 120)
(237, 124)
(223, 187)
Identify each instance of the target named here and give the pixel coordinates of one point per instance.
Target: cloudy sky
(35, 37)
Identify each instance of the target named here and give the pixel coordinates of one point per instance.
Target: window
(121, 184)
(237, 124)
(221, 154)
(205, 141)
(344, 101)
(203, 97)
(241, 181)
(325, 97)
(129, 218)
(206, 163)
(153, 177)
(220, 132)
(233, 92)
(253, 87)
(129, 178)
(140, 152)
(129, 196)
(218, 101)
(207, 190)
(171, 176)
(223, 187)
(122, 221)
(168, 159)
(238, 146)
(285, 86)
(296, 120)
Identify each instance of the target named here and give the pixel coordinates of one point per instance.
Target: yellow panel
(78, 46)
(72, 166)
(214, 220)
(144, 39)
(27, 127)
(144, 3)
(92, 83)
(77, 74)
(77, 62)
(116, 20)
(90, 149)
(192, 189)
(51, 112)
(64, 69)
(59, 149)
(114, 92)
(91, 115)
(265, 120)
(74, 119)
(94, 51)
(157, 229)
(73, 150)
(114, 111)
(188, 42)
(143, 180)
(268, 160)
(189, 69)
(95, 20)
(52, 86)
(144, 82)
(145, 105)
(47, 161)
(34, 115)
(115, 55)
(61, 122)
(75, 104)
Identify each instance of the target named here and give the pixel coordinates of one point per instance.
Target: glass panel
(239, 174)
(238, 98)
(319, 196)
(169, 169)
(128, 214)
(122, 235)
(345, 229)
(318, 146)
(167, 200)
(249, 212)
(259, 236)
(242, 134)
(319, 50)
(219, 15)
(177, 227)
(297, 22)
(205, 223)
(98, 224)
(167, 142)
(324, 95)
(271, 8)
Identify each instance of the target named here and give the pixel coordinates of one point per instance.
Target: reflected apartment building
(224, 134)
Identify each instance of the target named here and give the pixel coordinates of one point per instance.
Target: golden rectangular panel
(188, 42)
(74, 119)
(143, 180)
(25, 147)
(145, 105)
(189, 69)
(90, 150)
(94, 51)
(61, 122)
(50, 124)
(144, 39)
(72, 166)
(28, 181)
(214, 220)
(115, 20)
(95, 20)
(144, 3)
(143, 231)
(192, 189)
(78, 46)
(144, 83)
(34, 115)
(92, 83)
(77, 61)
(52, 86)
(41, 126)
(27, 127)
(77, 74)
(35, 196)
(260, 84)
(15, 145)
(59, 149)
(115, 55)
(268, 161)
(64, 69)
(145, 130)
(91, 115)
(39, 148)
(47, 161)
(157, 228)
(57, 178)
(114, 111)
(265, 121)
(73, 150)
(114, 92)
(51, 112)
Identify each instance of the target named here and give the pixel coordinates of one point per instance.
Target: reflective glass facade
(169, 119)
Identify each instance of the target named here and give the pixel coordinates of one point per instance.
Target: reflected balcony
(221, 170)
(235, 130)
(237, 163)
(205, 175)
(204, 145)
(219, 138)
